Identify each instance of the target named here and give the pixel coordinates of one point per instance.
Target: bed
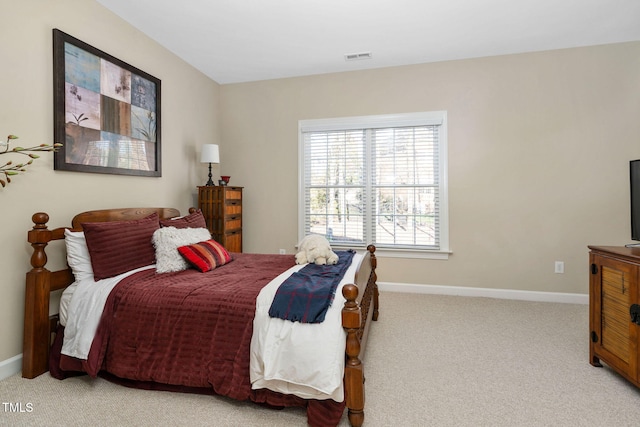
(249, 273)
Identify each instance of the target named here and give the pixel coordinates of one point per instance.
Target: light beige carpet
(431, 361)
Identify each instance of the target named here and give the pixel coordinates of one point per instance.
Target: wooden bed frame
(39, 328)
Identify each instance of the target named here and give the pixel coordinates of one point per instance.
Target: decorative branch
(10, 169)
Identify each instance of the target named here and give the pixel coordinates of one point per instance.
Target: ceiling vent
(357, 56)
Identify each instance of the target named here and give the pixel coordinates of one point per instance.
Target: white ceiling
(235, 41)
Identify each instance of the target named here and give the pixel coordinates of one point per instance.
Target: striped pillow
(205, 255)
(119, 246)
(194, 220)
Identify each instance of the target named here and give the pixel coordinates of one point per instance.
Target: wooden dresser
(613, 299)
(222, 209)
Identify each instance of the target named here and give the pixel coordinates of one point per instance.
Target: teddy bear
(315, 248)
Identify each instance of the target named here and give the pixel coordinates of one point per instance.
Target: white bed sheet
(65, 300)
(317, 349)
(84, 312)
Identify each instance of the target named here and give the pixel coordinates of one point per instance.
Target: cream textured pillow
(167, 240)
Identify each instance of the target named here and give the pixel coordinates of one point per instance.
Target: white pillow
(167, 240)
(78, 255)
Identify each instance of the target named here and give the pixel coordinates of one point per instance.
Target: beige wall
(189, 119)
(539, 146)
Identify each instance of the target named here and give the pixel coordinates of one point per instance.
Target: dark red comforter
(192, 329)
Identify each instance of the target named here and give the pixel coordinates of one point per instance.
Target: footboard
(360, 308)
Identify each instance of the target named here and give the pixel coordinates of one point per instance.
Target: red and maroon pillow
(205, 255)
(194, 220)
(119, 246)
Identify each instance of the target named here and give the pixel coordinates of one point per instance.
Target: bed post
(374, 265)
(353, 373)
(36, 310)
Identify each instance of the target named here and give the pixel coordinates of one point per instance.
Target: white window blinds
(375, 180)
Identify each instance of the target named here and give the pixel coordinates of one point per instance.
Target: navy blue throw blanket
(308, 293)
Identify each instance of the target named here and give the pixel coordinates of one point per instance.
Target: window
(376, 179)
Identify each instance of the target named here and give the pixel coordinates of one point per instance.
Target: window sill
(404, 253)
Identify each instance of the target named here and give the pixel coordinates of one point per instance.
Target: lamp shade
(210, 154)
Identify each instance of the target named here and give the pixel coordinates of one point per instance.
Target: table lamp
(210, 154)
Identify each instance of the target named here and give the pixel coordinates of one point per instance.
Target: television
(634, 174)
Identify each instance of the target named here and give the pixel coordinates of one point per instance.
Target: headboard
(40, 282)
(125, 214)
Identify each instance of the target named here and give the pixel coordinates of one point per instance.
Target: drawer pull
(634, 311)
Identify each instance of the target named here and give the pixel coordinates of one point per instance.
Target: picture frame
(222, 183)
(106, 112)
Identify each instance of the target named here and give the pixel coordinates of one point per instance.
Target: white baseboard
(486, 292)
(10, 367)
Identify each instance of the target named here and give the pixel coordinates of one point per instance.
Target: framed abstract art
(106, 112)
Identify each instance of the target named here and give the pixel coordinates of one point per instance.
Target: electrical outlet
(559, 267)
(283, 251)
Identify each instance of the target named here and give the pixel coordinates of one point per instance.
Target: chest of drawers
(222, 210)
